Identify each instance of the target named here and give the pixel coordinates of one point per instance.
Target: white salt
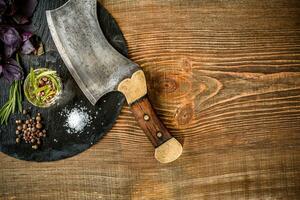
(76, 119)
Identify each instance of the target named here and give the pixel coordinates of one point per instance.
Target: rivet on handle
(159, 134)
(146, 117)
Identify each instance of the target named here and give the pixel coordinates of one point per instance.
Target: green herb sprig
(14, 101)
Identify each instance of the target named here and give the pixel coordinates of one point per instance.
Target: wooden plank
(224, 76)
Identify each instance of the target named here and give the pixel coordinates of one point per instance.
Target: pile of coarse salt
(76, 119)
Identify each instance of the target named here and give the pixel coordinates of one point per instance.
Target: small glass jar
(38, 99)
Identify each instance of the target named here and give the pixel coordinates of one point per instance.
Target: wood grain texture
(224, 77)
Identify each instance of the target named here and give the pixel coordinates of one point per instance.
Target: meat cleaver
(98, 69)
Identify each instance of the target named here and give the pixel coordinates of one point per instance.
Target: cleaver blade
(98, 68)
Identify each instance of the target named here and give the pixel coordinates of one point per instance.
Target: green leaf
(45, 73)
(38, 90)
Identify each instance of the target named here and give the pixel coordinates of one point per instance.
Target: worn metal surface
(94, 64)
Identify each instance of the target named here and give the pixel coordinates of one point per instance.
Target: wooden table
(224, 76)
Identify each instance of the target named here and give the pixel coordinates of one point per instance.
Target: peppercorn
(24, 112)
(45, 79)
(41, 82)
(39, 126)
(38, 118)
(24, 126)
(30, 131)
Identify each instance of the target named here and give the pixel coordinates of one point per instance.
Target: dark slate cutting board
(59, 143)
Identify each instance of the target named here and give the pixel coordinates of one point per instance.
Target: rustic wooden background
(224, 76)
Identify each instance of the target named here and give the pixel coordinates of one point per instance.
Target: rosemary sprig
(14, 102)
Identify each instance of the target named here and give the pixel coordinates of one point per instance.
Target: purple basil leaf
(9, 51)
(11, 39)
(26, 36)
(1, 69)
(27, 47)
(11, 71)
(10, 36)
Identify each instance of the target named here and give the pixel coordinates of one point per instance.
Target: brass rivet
(146, 117)
(159, 134)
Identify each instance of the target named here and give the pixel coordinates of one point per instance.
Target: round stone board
(62, 142)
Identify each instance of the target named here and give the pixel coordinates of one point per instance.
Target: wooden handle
(167, 148)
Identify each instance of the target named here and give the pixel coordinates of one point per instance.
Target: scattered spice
(24, 112)
(30, 130)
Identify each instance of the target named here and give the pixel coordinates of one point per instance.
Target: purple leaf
(11, 70)
(11, 39)
(1, 69)
(27, 47)
(26, 36)
(9, 36)
(9, 51)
